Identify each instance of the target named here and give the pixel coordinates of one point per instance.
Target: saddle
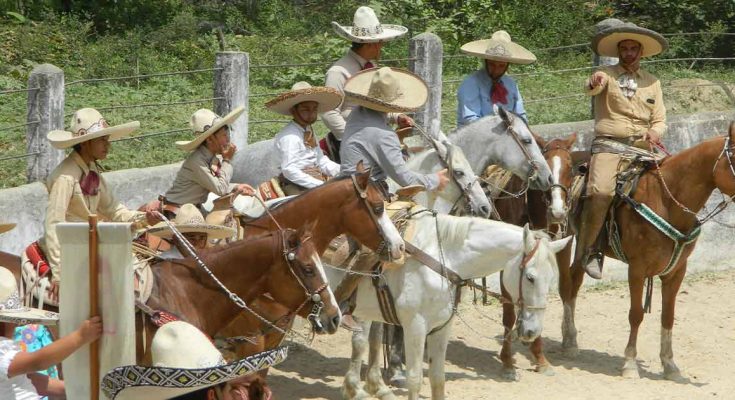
(222, 214)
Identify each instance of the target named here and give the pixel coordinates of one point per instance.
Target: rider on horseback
(303, 165)
(629, 110)
(190, 222)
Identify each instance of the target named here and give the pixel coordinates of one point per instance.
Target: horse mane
(454, 229)
(306, 192)
(686, 152)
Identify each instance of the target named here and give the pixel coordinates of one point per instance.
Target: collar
(619, 70)
(485, 77)
(358, 58)
(298, 127)
(205, 152)
(79, 161)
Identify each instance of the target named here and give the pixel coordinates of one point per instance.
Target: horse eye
(526, 141)
(458, 173)
(308, 270)
(531, 278)
(378, 210)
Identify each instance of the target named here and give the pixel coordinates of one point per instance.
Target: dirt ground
(704, 347)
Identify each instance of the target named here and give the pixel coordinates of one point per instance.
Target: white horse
(425, 301)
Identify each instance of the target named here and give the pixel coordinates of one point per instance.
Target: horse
(425, 301)
(542, 210)
(284, 263)
(675, 190)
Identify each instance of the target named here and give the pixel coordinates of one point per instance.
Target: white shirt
(295, 156)
(18, 387)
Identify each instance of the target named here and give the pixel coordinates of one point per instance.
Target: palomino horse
(676, 191)
(426, 301)
(284, 263)
(542, 210)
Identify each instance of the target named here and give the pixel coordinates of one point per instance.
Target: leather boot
(586, 254)
(364, 261)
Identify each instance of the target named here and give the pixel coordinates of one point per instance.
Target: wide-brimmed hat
(184, 361)
(6, 227)
(328, 98)
(189, 219)
(605, 42)
(387, 89)
(204, 123)
(367, 29)
(88, 124)
(11, 305)
(499, 48)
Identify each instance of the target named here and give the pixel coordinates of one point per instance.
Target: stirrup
(593, 265)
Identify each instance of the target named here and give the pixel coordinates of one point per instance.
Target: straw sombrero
(367, 29)
(605, 42)
(188, 220)
(6, 227)
(387, 90)
(499, 48)
(11, 305)
(88, 124)
(327, 97)
(184, 361)
(204, 123)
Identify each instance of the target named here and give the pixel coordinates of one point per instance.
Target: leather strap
(434, 264)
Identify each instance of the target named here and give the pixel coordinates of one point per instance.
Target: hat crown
(301, 86)
(202, 120)
(189, 215)
(366, 23)
(87, 120)
(385, 85)
(501, 36)
(9, 296)
(179, 344)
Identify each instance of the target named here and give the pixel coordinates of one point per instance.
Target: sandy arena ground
(704, 347)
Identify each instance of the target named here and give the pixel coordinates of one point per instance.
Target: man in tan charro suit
(629, 109)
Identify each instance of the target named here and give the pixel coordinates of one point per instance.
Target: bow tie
(309, 139)
(90, 183)
(499, 93)
(368, 65)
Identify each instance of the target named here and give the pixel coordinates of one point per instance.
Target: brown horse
(284, 263)
(541, 210)
(686, 179)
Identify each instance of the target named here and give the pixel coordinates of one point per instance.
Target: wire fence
(122, 78)
(11, 127)
(9, 91)
(27, 155)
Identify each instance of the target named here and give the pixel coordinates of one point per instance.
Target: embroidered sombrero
(499, 48)
(184, 361)
(204, 123)
(11, 306)
(328, 98)
(88, 124)
(605, 42)
(367, 29)
(189, 219)
(6, 227)
(387, 90)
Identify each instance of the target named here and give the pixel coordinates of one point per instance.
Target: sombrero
(188, 220)
(88, 124)
(387, 90)
(499, 48)
(6, 227)
(367, 29)
(327, 97)
(11, 306)
(184, 361)
(605, 42)
(204, 123)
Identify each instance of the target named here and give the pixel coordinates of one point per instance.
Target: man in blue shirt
(487, 86)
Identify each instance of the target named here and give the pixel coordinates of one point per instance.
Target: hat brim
(606, 42)
(28, 315)
(212, 231)
(413, 97)
(390, 32)
(327, 97)
(189, 145)
(64, 139)
(491, 49)
(6, 227)
(153, 383)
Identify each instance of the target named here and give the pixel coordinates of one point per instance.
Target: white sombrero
(88, 124)
(327, 97)
(189, 219)
(387, 89)
(499, 48)
(367, 29)
(11, 305)
(605, 43)
(204, 123)
(6, 227)
(184, 361)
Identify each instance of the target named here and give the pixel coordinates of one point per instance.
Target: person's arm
(289, 147)
(391, 161)
(58, 202)
(518, 107)
(56, 352)
(469, 102)
(658, 116)
(46, 386)
(327, 166)
(596, 83)
(333, 119)
(113, 210)
(219, 185)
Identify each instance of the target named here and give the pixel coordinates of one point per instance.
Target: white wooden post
(231, 86)
(426, 52)
(45, 113)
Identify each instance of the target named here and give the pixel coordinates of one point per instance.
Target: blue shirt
(473, 97)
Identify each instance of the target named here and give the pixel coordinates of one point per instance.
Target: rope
(7, 128)
(18, 90)
(121, 78)
(20, 156)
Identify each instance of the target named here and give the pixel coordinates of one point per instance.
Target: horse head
(559, 157)
(528, 285)
(724, 168)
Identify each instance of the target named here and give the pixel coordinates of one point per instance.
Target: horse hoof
(546, 370)
(674, 376)
(359, 394)
(631, 373)
(385, 394)
(398, 380)
(570, 352)
(511, 374)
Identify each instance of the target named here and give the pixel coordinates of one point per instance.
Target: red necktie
(368, 65)
(90, 183)
(498, 93)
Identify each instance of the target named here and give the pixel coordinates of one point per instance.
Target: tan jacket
(197, 178)
(67, 203)
(618, 116)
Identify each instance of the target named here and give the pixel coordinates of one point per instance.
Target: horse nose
(550, 180)
(485, 210)
(336, 320)
(529, 333)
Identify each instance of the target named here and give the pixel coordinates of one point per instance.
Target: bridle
(527, 257)
(551, 220)
(534, 168)
(382, 249)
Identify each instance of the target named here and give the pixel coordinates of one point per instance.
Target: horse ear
(306, 228)
(732, 130)
(541, 142)
(559, 245)
(571, 140)
(528, 239)
(360, 167)
(502, 112)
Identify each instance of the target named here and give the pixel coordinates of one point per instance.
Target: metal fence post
(231, 87)
(426, 53)
(45, 113)
(601, 61)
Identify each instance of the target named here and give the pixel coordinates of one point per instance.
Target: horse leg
(374, 381)
(635, 317)
(396, 357)
(437, 347)
(570, 281)
(414, 341)
(351, 388)
(669, 289)
(506, 353)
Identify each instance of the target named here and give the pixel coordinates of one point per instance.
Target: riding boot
(363, 262)
(588, 252)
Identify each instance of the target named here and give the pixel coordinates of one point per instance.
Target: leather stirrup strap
(433, 264)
